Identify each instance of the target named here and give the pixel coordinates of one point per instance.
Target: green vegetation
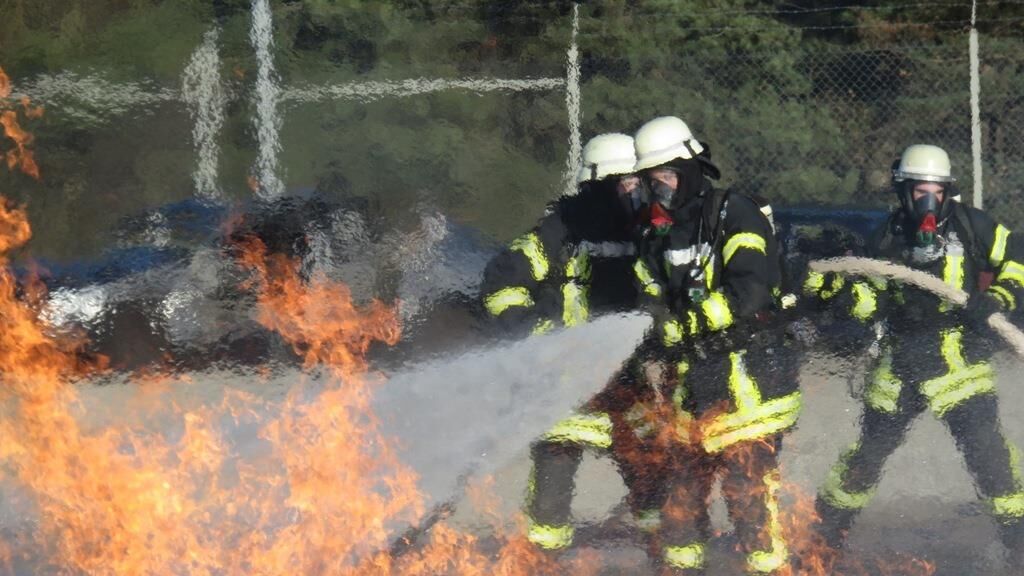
(800, 102)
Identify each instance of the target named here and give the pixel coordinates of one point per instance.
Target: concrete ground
(925, 507)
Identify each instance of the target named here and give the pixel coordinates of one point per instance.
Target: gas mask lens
(661, 183)
(925, 202)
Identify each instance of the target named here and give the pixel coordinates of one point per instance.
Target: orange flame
(325, 496)
(816, 558)
(345, 505)
(20, 156)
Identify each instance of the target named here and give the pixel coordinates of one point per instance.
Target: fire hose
(878, 268)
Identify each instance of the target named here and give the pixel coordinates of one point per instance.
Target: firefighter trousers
(750, 484)
(607, 425)
(974, 423)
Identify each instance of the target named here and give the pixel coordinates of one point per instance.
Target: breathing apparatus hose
(854, 266)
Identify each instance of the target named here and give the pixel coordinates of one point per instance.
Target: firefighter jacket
(575, 263)
(926, 344)
(712, 282)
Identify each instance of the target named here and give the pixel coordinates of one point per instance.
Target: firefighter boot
(835, 523)
(1012, 535)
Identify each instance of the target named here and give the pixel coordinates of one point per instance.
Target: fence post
(975, 109)
(572, 105)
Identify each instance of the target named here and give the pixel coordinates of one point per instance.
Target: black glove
(980, 307)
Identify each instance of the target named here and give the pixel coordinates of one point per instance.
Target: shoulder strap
(971, 241)
(713, 213)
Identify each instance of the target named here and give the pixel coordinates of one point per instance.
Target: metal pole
(976, 109)
(572, 104)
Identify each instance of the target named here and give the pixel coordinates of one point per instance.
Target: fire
(340, 469)
(816, 558)
(129, 501)
(325, 494)
(21, 156)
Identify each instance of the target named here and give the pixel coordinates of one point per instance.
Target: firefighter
(709, 272)
(931, 355)
(575, 263)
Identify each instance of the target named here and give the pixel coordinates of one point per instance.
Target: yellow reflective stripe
(752, 418)
(747, 240)
(590, 429)
(530, 246)
(771, 418)
(680, 393)
(967, 384)
(962, 382)
(1013, 272)
(574, 304)
(742, 387)
(815, 284)
(716, 310)
(691, 320)
(836, 494)
(531, 485)
(685, 557)
(683, 419)
(550, 537)
(643, 274)
(883, 391)
(952, 274)
(506, 298)
(998, 253)
(671, 332)
(766, 412)
(648, 520)
(709, 273)
(865, 302)
(1015, 458)
(952, 349)
(543, 326)
(953, 271)
(1005, 297)
(1009, 507)
(578, 267)
(765, 561)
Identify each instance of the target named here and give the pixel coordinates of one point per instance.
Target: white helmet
(923, 162)
(662, 140)
(606, 155)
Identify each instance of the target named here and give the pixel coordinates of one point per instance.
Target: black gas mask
(631, 196)
(689, 178)
(927, 211)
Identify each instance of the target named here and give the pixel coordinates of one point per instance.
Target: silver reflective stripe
(607, 249)
(687, 149)
(685, 256)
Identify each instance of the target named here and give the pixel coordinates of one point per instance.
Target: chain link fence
(1002, 124)
(822, 123)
